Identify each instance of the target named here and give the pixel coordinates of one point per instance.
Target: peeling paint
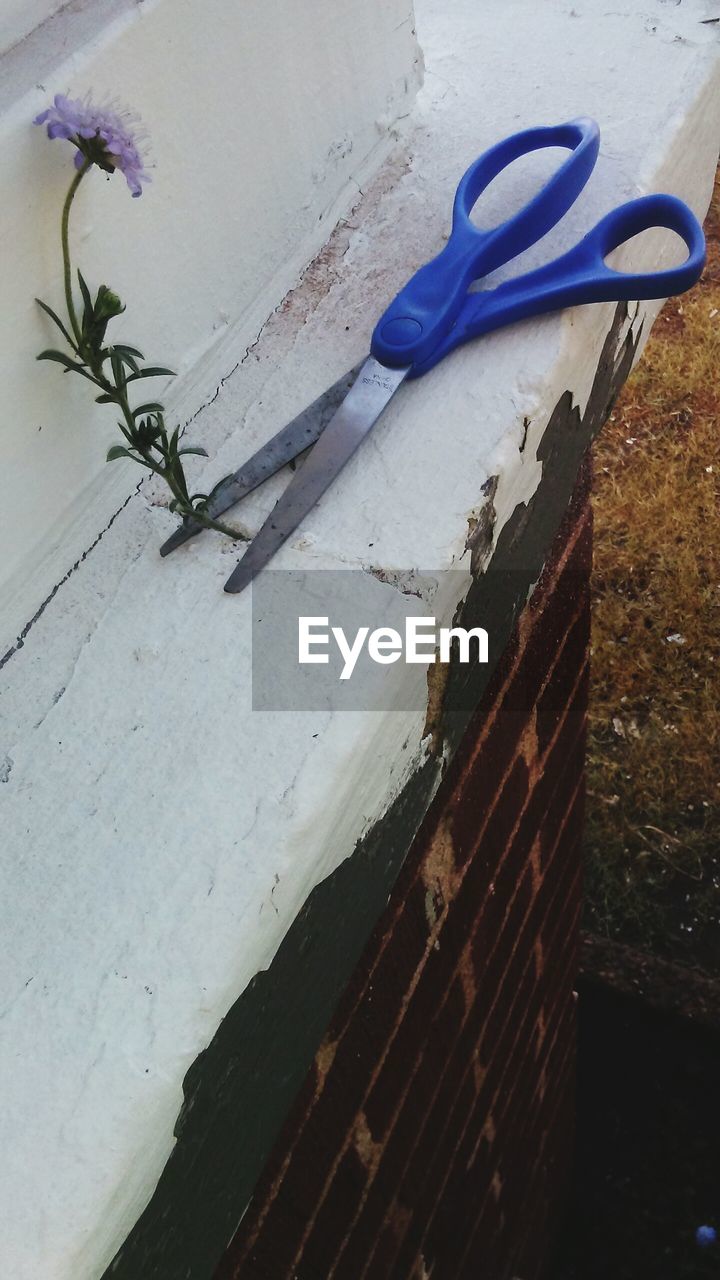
(481, 528)
(437, 678)
(439, 871)
(324, 1059)
(366, 1147)
(409, 582)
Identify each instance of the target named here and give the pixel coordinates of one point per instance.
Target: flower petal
(104, 136)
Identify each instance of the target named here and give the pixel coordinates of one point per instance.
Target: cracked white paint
(159, 838)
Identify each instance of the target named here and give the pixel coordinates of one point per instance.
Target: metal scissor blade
(294, 438)
(358, 413)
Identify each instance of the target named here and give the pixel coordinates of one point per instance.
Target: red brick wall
(433, 1135)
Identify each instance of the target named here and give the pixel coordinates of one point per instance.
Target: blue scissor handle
(582, 275)
(429, 304)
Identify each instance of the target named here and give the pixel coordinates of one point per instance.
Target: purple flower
(705, 1236)
(102, 135)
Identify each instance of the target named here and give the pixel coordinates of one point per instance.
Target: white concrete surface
(262, 118)
(159, 837)
(19, 17)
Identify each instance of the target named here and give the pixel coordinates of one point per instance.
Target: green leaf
(118, 369)
(122, 356)
(68, 365)
(118, 451)
(60, 358)
(87, 301)
(152, 371)
(105, 399)
(153, 406)
(49, 354)
(124, 350)
(202, 453)
(49, 311)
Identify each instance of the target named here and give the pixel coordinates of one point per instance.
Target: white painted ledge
(159, 838)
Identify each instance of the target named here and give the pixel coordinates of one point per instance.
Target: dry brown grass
(653, 834)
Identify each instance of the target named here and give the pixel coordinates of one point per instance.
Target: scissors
(435, 312)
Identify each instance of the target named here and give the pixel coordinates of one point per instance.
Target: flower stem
(208, 523)
(66, 249)
(176, 483)
(168, 466)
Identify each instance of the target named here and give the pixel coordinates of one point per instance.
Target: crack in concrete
(409, 582)
(525, 429)
(19, 643)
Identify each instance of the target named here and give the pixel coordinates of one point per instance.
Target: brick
(441, 1124)
(510, 708)
(518, 1149)
(320, 1250)
(357, 1052)
(524, 1252)
(553, 700)
(484, 784)
(411, 1114)
(547, 630)
(439, 1152)
(501, 1048)
(329, 1117)
(493, 1185)
(436, 973)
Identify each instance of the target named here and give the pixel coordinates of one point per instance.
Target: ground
(648, 1150)
(653, 850)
